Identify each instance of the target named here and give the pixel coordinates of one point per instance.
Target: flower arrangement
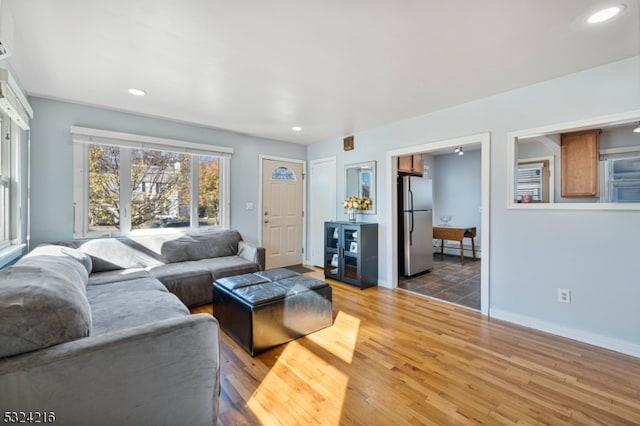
(358, 203)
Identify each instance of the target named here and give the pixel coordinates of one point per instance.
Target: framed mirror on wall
(360, 186)
(590, 164)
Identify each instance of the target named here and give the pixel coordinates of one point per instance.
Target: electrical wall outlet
(564, 295)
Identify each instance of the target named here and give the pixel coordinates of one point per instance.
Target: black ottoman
(268, 308)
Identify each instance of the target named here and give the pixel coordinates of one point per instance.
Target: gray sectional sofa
(97, 331)
(187, 264)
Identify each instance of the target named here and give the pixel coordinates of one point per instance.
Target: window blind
(529, 181)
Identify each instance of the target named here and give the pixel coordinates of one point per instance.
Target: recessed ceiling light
(137, 92)
(296, 128)
(605, 14)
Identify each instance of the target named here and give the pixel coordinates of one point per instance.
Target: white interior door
(322, 205)
(282, 212)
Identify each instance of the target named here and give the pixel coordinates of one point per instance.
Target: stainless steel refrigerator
(415, 225)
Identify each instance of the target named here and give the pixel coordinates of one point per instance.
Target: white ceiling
(334, 67)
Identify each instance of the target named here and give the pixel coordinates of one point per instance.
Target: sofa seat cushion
(131, 303)
(108, 277)
(227, 266)
(42, 303)
(190, 281)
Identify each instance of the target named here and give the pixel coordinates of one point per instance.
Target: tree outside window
(161, 188)
(209, 191)
(104, 188)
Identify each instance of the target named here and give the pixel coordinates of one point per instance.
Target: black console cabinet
(351, 253)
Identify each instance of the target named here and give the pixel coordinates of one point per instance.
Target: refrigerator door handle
(411, 200)
(411, 229)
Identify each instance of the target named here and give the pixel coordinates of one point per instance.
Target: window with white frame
(11, 194)
(133, 184)
(620, 175)
(5, 187)
(15, 113)
(532, 181)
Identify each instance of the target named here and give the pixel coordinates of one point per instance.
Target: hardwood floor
(394, 358)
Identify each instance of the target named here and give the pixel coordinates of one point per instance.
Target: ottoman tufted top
(238, 281)
(266, 286)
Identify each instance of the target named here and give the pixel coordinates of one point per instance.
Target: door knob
(266, 221)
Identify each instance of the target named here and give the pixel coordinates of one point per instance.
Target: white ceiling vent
(6, 30)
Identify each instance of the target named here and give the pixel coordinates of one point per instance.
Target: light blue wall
(52, 158)
(457, 192)
(532, 253)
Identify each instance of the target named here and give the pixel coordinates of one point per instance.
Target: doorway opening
(448, 280)
(454, 205)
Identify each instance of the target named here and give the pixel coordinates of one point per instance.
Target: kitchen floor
(449, 281)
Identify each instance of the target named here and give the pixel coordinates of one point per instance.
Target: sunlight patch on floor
(340, 339)
(302, 374)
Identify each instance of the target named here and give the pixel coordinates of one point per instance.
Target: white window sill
(10, 253)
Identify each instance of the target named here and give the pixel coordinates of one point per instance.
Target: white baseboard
(309, 264)
(616, 345)
(383, 283)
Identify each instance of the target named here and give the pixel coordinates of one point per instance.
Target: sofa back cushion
(80, 261)
(143, 251)
(110, 254)
(43, 302)
(201, 246)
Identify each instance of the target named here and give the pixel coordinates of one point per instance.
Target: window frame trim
(83, 137)
(550, 168)
(512, 160)
(5, 187)
(15, 174)
(606, 158)
(90, 136)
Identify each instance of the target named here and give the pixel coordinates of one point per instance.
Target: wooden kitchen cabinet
(580, 170)
(411, 164)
